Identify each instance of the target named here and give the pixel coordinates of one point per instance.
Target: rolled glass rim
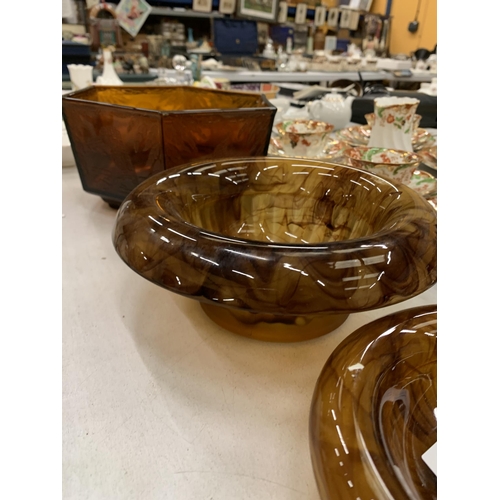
(373, 239)
(348, 356)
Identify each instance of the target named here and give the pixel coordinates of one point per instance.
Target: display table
(158, 401)
(246, 76)
(309, 76)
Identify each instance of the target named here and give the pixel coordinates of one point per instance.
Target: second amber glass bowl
(276, 248)
(373, 412)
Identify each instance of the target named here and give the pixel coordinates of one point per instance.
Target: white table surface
(306, 76)
(161, 403)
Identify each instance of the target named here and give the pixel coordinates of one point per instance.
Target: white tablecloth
(161, 403)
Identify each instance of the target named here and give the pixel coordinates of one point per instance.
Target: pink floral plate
(359, 135)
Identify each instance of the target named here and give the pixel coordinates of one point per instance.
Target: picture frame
(345, 18)
(260, 10)
(227, 6)
(333, 17)
(320, 15)
(131, 15)
(282, 12)
(301, 13)
(202, 6)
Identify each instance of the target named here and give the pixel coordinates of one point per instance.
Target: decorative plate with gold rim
(359, 135)
(332, 149)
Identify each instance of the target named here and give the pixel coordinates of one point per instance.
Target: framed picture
(131, 15)
(261, 10)
(345, 18)
(333, 18)
(319, 16)
(202, 5)
(283, 12)
(227, 6)
(301, 13)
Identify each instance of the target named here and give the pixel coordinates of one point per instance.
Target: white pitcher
(392, 127)
(332, 108)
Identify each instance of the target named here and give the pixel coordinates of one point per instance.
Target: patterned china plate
(333, 149)
(422, 182)
(426, 185)
(359, 135)
(429, 156)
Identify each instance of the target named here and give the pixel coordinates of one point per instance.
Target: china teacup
(393, 125)
(303, 137)
(370, 120)
(389, 163)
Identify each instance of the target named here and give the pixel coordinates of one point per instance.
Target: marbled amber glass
(279, 248)
(120, 136)
(373, 411)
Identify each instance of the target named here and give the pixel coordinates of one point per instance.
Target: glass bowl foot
(273, 327)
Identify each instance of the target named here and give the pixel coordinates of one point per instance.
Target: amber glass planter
(120, 136)
(279, 249)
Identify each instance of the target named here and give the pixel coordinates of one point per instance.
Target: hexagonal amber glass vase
(279, 249)
(121, 136)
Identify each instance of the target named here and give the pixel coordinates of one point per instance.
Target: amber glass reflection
(120, 136)
(279, 241)
(373, 411)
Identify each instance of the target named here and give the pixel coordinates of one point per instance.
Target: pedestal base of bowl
(273, 327)
(112, 203)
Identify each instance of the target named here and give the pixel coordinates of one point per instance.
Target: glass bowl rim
(373, 239)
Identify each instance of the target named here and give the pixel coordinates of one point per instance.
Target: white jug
(332, 108)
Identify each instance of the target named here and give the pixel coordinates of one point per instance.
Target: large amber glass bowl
(279, 249)
(373, 414)
(120, 136)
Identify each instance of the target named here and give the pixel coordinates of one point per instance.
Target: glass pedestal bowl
(373, 413)
(276, 248)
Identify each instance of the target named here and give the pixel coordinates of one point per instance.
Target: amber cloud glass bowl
(121, 136)
(277, 248)
(373, 414)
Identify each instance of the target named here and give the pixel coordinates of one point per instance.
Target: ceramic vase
(392, 127)
(109, 75)
(80, 76)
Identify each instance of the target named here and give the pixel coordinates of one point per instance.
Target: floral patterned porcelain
(424, 184)
(389, 163)
(359, 135)
(302, 137)
(370, 120)
(429, 156)
(333, 149)
(392, 127)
